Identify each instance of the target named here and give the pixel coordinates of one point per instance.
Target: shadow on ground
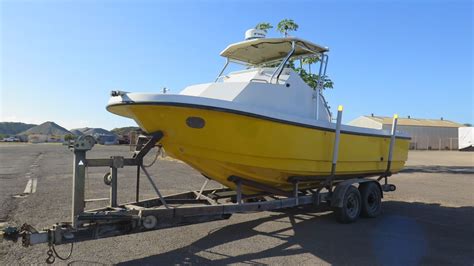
(405, 234)
(439, 169)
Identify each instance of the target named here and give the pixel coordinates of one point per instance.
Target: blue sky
(60, 59)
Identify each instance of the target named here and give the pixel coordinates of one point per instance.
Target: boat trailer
(184, 208)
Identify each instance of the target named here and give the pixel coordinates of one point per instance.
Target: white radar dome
(254, 34)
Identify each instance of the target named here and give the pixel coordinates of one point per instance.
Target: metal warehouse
(426, 134)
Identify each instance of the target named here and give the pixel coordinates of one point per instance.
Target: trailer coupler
(28, 234)
(11, 233)
(63, 233)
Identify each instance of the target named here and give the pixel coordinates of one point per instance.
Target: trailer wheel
(149, 222)
(351, 206)
(107, 178)
(371, 199)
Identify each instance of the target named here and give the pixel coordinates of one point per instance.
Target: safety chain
(53, 254)
(158, 152)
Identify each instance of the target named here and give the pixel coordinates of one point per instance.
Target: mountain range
(13, 128)
(91, 131)
(51, 128)
(47, 128)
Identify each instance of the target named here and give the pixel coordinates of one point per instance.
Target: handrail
(222, 71)
(318, 86)
(327, 106)
(326, 60)
(280, 68)
(264, 80)
(322, 75)
(321, 71)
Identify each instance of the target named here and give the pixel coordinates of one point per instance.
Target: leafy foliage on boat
(304, 69)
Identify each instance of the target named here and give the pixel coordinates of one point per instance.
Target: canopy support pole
(222, 71)
(280, 68)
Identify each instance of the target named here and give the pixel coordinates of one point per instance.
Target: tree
(265, 26)
(287, 25)
(309, 61)
(312, 79)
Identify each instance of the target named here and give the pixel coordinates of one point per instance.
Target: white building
(426, 134)
(466, 138)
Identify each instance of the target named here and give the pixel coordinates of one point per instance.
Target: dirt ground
(428, 220)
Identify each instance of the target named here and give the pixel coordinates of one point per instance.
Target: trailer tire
(149, 222)
(107, 178)
(351, 206)
(371, 199)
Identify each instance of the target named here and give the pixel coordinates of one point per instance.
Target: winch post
(79, 176)
(79, 147)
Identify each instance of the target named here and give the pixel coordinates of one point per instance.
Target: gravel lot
(428, 220)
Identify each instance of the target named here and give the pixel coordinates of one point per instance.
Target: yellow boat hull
(263, 150)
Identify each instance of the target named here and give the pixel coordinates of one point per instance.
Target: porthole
(195, 122)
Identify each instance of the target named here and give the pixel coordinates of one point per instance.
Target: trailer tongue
(188, 207)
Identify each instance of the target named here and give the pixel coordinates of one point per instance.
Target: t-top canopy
(258, 51)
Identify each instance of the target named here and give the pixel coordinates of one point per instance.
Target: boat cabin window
(274, 72)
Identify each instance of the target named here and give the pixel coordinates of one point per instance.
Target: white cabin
(278, 89)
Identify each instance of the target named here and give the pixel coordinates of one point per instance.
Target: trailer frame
(182, 208)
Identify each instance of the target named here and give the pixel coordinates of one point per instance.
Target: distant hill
(13, 128)
(126, 130)
(91, 131)
(76, 132)
(47, 128)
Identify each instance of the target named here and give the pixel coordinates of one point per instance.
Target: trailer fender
(337, 197)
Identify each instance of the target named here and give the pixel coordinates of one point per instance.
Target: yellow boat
(262, 124)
